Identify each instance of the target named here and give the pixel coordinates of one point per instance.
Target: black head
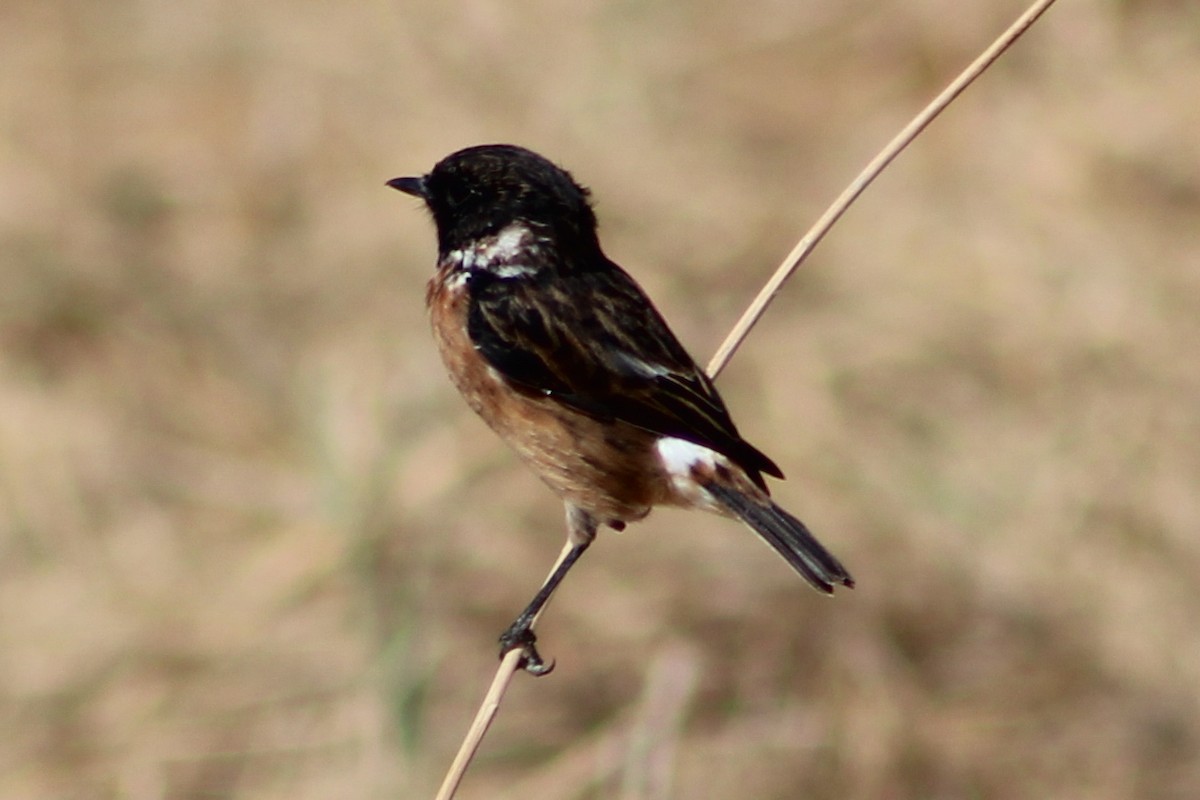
(481, 190)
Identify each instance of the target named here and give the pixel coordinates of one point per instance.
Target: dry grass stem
(655, 733)
(488, 708)
(905, 137)
(508, 665)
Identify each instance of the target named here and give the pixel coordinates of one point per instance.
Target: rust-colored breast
(607, 469)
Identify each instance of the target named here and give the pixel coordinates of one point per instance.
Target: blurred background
(253, 545)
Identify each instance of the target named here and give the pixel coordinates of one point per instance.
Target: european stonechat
(564, 356)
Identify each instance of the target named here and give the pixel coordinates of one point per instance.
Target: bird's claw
(522, 637)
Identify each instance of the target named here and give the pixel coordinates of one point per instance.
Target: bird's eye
(459, 194)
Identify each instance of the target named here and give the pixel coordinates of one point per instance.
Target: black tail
(789, 536)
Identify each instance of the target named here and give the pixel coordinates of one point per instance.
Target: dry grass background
(252, 545)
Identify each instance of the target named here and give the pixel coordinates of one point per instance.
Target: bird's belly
(609, 469)
(604, 468)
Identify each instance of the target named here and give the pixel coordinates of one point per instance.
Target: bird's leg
(581, 530)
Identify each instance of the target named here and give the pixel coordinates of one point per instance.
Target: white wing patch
(639, 367)
(679, 457)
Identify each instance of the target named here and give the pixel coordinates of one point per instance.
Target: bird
(566, 358)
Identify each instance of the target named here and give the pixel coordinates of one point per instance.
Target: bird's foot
(520, 636)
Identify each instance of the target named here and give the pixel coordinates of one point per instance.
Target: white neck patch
(505, 255)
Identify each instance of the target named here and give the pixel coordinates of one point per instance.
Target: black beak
(413, 186)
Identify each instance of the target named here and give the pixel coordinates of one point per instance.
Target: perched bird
(564, 356)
